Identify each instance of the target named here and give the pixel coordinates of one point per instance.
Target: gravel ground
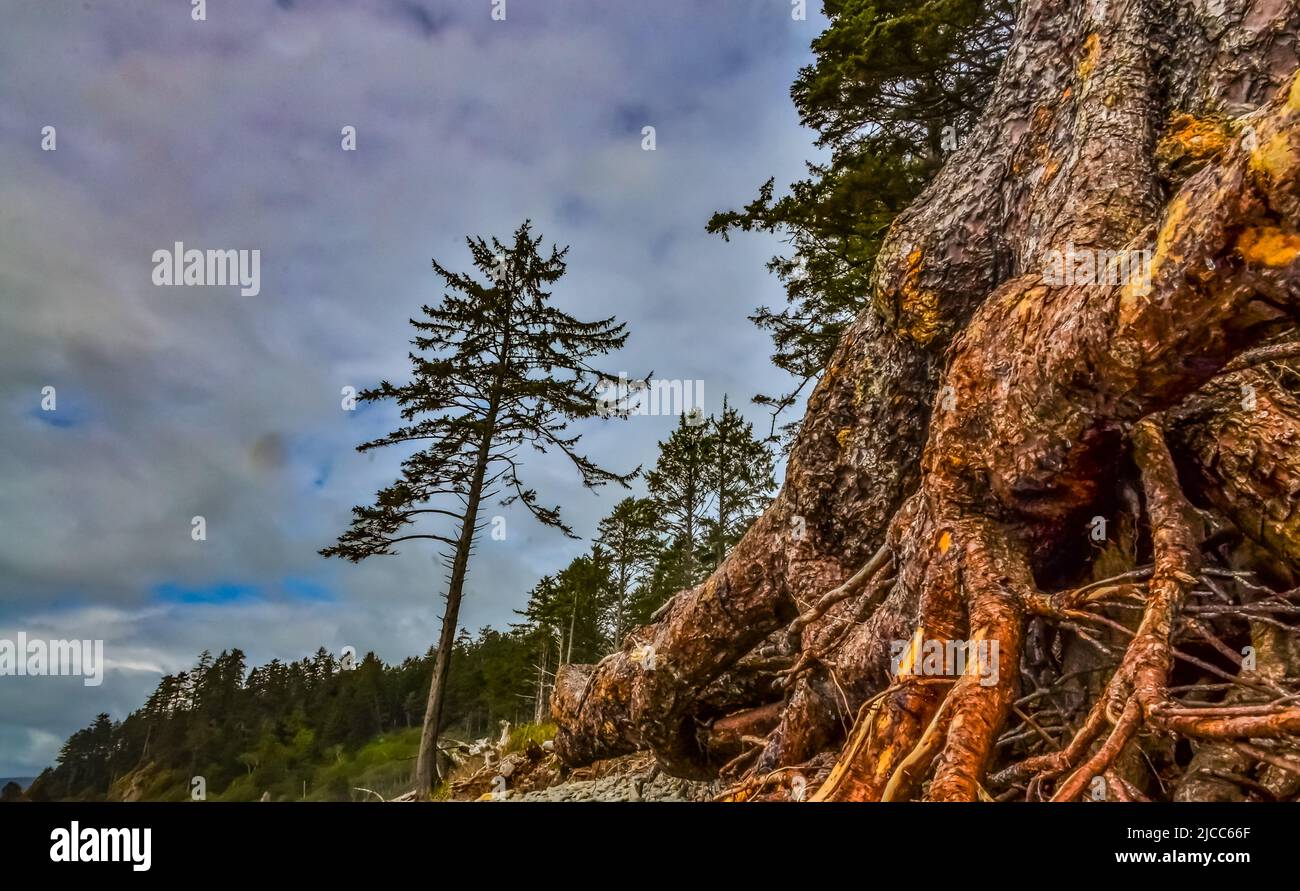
(625, 787)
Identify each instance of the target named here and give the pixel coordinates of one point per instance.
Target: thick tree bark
(1239, 445)
(1138, 125)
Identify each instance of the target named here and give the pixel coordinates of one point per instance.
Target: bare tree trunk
(980, 413)
(573, 618)
(427, 762)
(539, 701)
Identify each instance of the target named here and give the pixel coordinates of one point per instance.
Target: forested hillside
(321, 728)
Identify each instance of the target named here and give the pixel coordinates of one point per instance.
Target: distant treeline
(314, 728)
(282, 727)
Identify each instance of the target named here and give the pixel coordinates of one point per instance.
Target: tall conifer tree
(738, 476)
(679, 489)
(630, 535)
(495, 367)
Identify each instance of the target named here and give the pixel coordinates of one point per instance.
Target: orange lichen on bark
(832, 371)
(1028, 310)
(1192, 139)
(1091, 53)
(1037, 143)
(918, 306)
(1269, 246)
(1135, 293)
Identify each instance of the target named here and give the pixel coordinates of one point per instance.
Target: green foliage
(495, 367)
(529, 734)
(672, 572)
(738, 477)
(630, 535)
(680, 492)
(574, 607)
(283, 725)
(711, 480)
(893, 81)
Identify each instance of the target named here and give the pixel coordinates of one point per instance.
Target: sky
(171, 403)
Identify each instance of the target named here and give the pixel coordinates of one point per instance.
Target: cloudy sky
(196, 401)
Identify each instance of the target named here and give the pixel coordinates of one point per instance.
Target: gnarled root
(1047, 385)
(1137, 693)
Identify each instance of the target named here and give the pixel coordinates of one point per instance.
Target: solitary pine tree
(738, 476)
(495, 367)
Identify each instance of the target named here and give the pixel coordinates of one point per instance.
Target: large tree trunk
(978, 415)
